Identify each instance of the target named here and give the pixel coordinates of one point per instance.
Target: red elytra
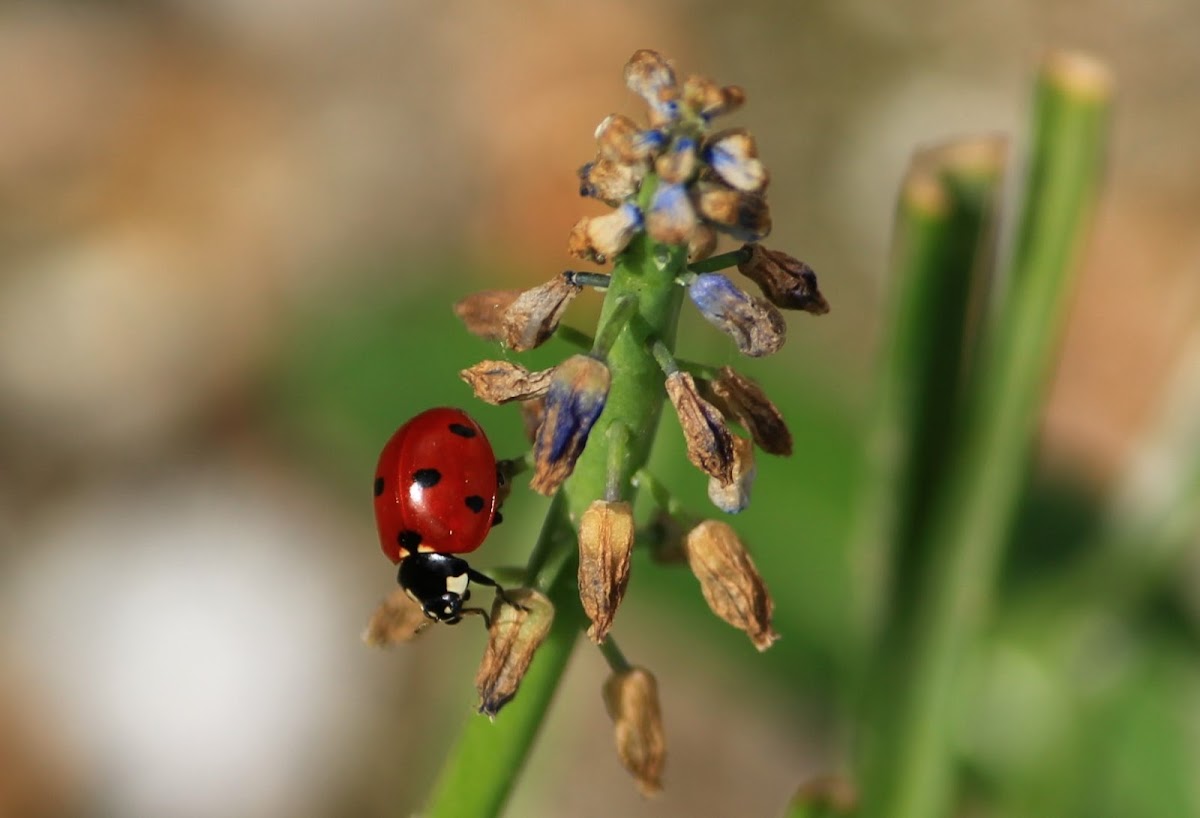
(435, 486)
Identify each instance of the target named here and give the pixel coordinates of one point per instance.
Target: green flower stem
(646, 271)
(663, 357)
(659, 493)
(611, 326)
(617, 662)
(487, 758)
(582, 279)
(724, 261)
(944, 218)
(618, 455)
(699, 370)
(974, 506)
(485, 763)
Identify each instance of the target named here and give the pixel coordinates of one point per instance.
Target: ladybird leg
(487, 620)
(484, 579)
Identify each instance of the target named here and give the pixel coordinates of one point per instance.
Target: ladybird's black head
(438, 582)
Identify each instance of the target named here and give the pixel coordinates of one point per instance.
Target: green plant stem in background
(940, 274)
(487, 759)
(907, 773)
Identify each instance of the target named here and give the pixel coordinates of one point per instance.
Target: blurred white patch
(919, 110)
(194, 638)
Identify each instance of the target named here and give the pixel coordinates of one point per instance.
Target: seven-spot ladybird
(437, 495)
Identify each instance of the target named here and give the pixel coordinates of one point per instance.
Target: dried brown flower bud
(534, 316)
(610, 182)
(734, 496)
(532, 413)
(498, 382)
(631, 698)
(398, 619)
(702, 243)
(516, 633)
(483, 312)
(754, 325)
(605, 546)
(740, 398)
(599, 238)
(647, 73)
(744, 215)
(786, 281)
(729, 581)
(825, 797)
(709, 442)
(678, 163)
(708, 99)
(619, 139)
(574, 401)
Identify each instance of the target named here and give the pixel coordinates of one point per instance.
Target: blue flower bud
(671, 218)
(755, 326)
(574, 401)
(733, 154)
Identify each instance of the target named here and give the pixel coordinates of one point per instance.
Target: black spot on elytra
(408, 539)
(461, 430)
(427, 478)
(474, 502)
(378, 486)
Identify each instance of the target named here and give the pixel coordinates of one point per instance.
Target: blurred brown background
(202, 204)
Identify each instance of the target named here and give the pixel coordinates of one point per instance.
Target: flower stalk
(672, 188)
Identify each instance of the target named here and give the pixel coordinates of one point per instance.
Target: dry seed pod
(516, 633)
(631, 698)
(605, 546)
(709, 442)
(534, 315)
(729, 581)
(755, 326)
(397, 620)
(498, 382)
(786, 281)
(734, 496)
(483, 312)
(740, 398)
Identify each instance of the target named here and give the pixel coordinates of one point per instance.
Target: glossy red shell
(436, 480)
